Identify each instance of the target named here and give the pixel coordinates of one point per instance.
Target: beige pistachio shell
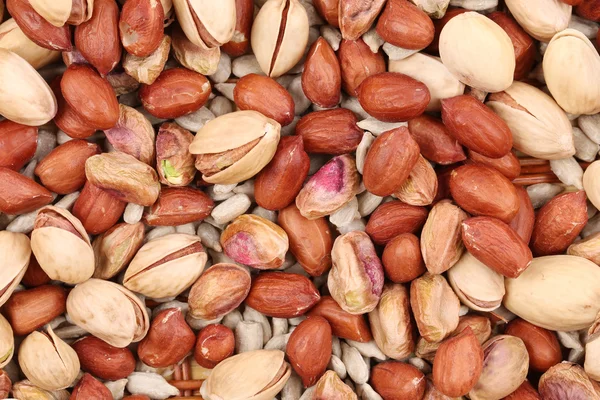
(542, 19)
(572, 72)
(433, 73)
(108, 311)
(114, 249)
(167, 278)
(56, 12)
(266, 35)
(591, 184)
(240, 128)
(478, 52)
(7, 342)
(540, 128)
(330, 386)
(15, 252)
(61, 254)
(560, 293)
(12, 38)
(217, 17)
(477, 286)
(24, 95)
(47, 361)
(25, 390)
(259, 375)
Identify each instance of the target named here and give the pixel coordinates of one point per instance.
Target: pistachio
(108, 311)
(24, 97)
(356, 17)
(15, 252)
(560, 293)
(279, 36)
(592, 352)
(124, 177)
(255, 241)
(26, 390)
(47, 361)
(252, 142)
(114, 249)
(587, 248)
(206, 23)
(261, 374)
(330, 386)
(435, 307)
(147, 69)
(492, 73)
(434, 8)
(391, 322)
(540, 128)
(59, 13)
(175, 165)
(334, 185)
(7, 342)
(166, 266)
(62, 246)
(420, 188)
(571, 70)
(203, 61)
(12, 38)
(133, 134)
(590, 183)
(356, 277)
(541, 25)
(567, 381)
(476, 285)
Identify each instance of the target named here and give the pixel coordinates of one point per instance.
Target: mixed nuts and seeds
(300, 199)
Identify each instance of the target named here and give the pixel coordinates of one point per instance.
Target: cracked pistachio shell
(59, 12)
(240, 128)
(477, 286)
(47, 361)
(15, 251)
(206, 23)
(572, 72)
(540, 128)
(115, 248)
(486, 60)
(356, 277)
(108, 311)
(279, 40)
(542, 19)
(255, 241)
(62, 246)
(12, 38)
(391, 322)
(560, 293)
(7, 342)
(24, 95)
(258, 375)
(166, 266)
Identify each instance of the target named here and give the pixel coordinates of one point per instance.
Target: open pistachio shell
(216, 20)
(15, 252)
(108, 311)
(166, 266)
(7, 342)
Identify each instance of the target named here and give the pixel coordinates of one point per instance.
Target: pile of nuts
(300, 199)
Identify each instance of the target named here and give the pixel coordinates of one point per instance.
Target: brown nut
(219, 290)
(18, 144)
(66, 119)
(179, 206)
(405, 25)
(168, 341)
(328, 9)
(394, 380)
(322, 76)
(523, 222)
(214, 344)
(133, 134)
(310, 240)
(330, 131)
(265, 95)
(508, 165)
(63, 170)
(394, 218)
(255, 241)
(356, 17)
(34, 275)
(393, 97)
(434, 140)
(567, 380)
(357, 63)
(240, 42)
(176, 92)
(28, 310)
(542, 344)
(356, 277)
(343, 324)
(278, 184)
(141, 26)
(174, 163)
(19, 194)
(402, 261)
(114, 249)
(524, 392)
(103, 360)
(89, 387)
(282, 295)
(97, 210)
(5, 385)
(309, 349)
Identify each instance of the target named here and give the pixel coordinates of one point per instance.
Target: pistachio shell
(25, 390)
(7, 342)
(540, 128)
(108, 311)
(542, 25)
(24, 95)
(560, 293)
(259, 375)
(486, 60)
(169, 278)
(56, 12)
(12, 38)
(15, 251)
(216, 17)
(572, 72)
(47, 361)
(477, 286)
(591, 184)
(115, 248)
(61, 254)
